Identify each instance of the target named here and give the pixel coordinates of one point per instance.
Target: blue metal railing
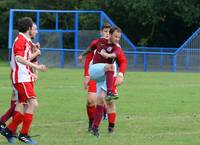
(145, 51)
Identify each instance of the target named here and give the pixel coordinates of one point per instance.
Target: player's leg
(9, 113)
(111, 109)
(18, 116)
(99, 108)
(91, 103)
(109, 72)
(31, 106)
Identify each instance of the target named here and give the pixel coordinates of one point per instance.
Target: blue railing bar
(58, 49)
(143, 52)
(145, 63)
(38, 26)
(62, 55)
(101, 21)
(188, 40)
(10, 34)
(174, 63)
(158, 48)
(57, 11)
(126, 52)
(107, 18)
(53, 30)
(76, 24)
(57, 21)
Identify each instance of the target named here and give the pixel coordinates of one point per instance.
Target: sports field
(154, 109)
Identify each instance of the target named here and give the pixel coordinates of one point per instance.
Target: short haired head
(105, 26)
(24, 24)
(113, 29)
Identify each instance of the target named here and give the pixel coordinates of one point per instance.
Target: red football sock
(26, 123)
(112, 118)
(91, 112)
(109, 80)
(9, 113)
(98, 116)
(17, 119)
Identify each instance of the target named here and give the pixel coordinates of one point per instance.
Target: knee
(90, 102)
(91, 99)
(110, 104)
(100, 101)
(35, 105)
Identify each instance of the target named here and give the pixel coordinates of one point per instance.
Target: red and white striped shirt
(22, 47)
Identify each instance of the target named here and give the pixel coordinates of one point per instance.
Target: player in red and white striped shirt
(23, 80)
(11, 110)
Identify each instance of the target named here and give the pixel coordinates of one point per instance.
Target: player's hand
(42, 68)
(38, 52)
(104, 54)
(35, 77)
(80, 58)
(37, 45)
(86, 82)
(119, 80)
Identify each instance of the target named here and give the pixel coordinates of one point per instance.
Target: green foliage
(146, 22)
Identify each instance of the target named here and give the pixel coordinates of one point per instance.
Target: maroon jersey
(109, 48)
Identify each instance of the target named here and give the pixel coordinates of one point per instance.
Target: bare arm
(107, 55)
(21, 60)
(34, 54)
(84, 53)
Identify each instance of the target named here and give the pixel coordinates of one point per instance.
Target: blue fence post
(38, 26)
(10, 34)
(145, 62)
(62, 58)
(187, 58)
(174, 63)
(76, 39)
(62, 54)
(161, 59)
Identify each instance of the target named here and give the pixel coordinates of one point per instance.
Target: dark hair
(24, 24)
(113, 29)
(105, 26)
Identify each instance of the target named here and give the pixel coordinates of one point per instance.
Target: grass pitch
(153, 109)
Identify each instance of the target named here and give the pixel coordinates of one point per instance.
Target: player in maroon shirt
(104, 57)
(102, 71)
(90, 84)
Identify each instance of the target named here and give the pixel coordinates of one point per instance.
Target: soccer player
(89, 84)
(33, 58)
(23, 79)
(103, 60)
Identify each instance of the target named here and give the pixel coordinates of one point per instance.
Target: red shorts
(92, 86)
(25, 91)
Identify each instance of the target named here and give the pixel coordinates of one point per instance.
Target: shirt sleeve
(93, 44)
(122, 62)
(88, 59)
(19, 48)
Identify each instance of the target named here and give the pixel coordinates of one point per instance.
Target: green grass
(153, 109)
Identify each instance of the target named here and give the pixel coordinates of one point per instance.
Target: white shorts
(97, 72)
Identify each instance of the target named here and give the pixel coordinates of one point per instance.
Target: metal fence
(70, 32)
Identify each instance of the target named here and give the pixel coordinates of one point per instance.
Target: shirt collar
(28, 39)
